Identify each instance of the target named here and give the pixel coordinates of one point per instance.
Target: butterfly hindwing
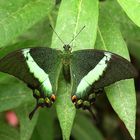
(95, 69)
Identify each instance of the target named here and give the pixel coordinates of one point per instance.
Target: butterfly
(88, 71)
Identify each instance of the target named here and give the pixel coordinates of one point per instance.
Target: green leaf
(17, 17)
(121, 94)
(84, 129)
(36, 135)
(19, 45)
(64, 107)
(26, 125)
(72, 16)
(69, 22)
(45, 126)
(129, 30)
(132, 9)
(134, 48)
(7, 132)
(12, 94)
(41, 33)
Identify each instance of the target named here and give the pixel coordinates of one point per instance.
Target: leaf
(45, 126)
(26, 125)
(13, 94)
(8, 132)
(132, 9)
(69, 22)
(129, 30)
(64, 107)
(16, 46)
(83, 129)
(73, 15)
(35, 135)
(20, 16)
(134, 48)
(41, 33)
(121, 94)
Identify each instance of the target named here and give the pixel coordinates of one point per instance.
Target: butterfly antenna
(77, 35)
(57, 34)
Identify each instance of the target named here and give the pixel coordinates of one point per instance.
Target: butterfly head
(67, 48)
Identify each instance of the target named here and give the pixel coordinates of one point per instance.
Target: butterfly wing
(95, 69)
(34, 66)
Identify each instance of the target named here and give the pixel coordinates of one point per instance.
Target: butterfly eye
(74, 99)
(53, 98)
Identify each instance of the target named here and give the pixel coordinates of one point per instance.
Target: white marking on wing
(94, 74)
(37, 71)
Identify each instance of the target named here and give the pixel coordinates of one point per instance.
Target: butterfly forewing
(33, 65)
(118, 69)
(15, 64)
(49, 60)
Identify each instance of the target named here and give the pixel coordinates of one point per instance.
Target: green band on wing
(38, 73)
(93, 76)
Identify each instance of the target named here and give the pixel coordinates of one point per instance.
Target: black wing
(102, 67)
(47, 59)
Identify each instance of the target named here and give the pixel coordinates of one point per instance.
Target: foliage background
(110, 25)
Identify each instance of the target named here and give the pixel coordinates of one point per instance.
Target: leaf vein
(78, 16)
(102, 38)
(13, 15)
